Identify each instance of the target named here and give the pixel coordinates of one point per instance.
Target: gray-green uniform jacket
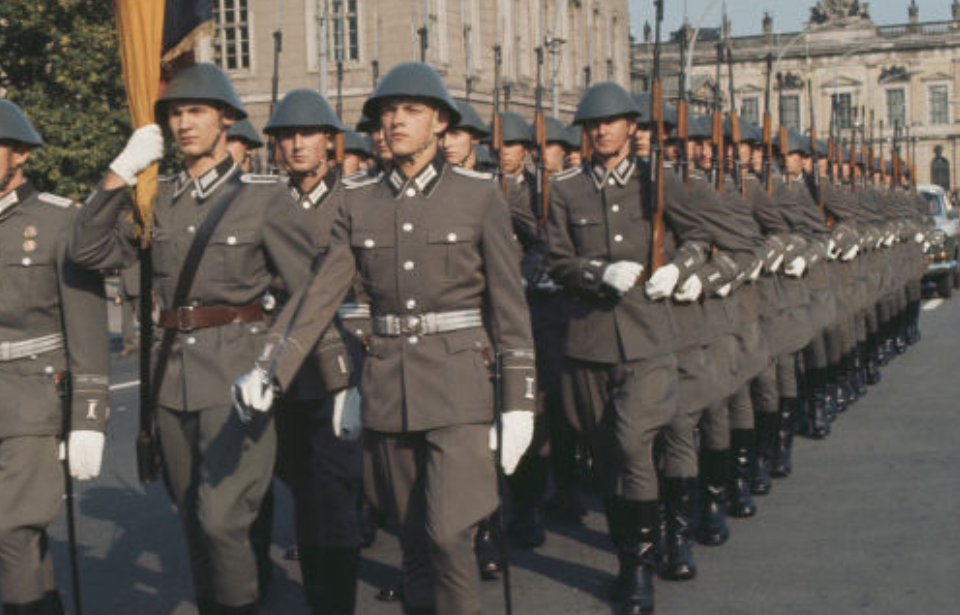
(436, 243)
(47, 296)
(255, 241)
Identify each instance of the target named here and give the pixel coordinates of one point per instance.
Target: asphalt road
(868, 523)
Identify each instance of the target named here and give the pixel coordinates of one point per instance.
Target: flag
(153, 34)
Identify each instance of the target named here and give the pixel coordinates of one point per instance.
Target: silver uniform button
(615, 208)
(191, 229)
(368, 243)
(306, 205)
(618, 238)
(231, 240)
(407, 227)
(611, 182)
(191, 340)
(452, 237)
(413, 339)
(26, 261)
(193, 193)
(411, 303)
(48, 369)
(411, 192)
(409, 265)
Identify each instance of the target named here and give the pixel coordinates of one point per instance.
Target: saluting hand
(143, 149)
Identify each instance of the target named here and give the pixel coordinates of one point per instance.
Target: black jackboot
(782, 464)
(680, 504)
(743, 453)
(487, 547)
(860, 370)
(847, 380)
(369, 522)
(872, 360)
(817, 423)
(247, 609)
(712, 527)
(633, 528)
(52, 603)
(330, 579)
(767, 426)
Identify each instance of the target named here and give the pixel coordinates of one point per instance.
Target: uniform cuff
(519, 379)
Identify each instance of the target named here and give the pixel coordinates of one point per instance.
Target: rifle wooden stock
(735, 149)
(339, 149)
(658, 254)
(718, 153)
(540, 128)
(586, 149)
(683, 134)
(768, 152)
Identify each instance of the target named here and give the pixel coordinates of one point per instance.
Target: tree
(59, 62)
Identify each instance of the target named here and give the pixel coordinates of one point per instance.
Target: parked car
(943, 251)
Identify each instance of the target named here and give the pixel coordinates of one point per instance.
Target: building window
(436, 23)
(750, 109)
(233, 35)
(939, 109)
(896, 107)
(344, 34)
(843, 105)
(790, 111)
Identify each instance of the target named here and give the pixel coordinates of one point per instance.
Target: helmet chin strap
(466, 157)
(7, 178)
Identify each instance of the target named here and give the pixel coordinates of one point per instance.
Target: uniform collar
(425, 182)
(206, 184)
(313, 199)
(619, 174)
(18, 195)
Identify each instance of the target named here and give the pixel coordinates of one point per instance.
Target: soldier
(216, 469)
(54, 366)
(356, 150)
(446, 300)
(572, 159)
(460, 142)
(620, 380)
(319, 453)
(242, 140)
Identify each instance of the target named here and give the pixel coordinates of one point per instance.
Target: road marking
(932, 304)
(124, 385)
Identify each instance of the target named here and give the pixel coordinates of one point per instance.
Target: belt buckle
(185, 319)
(411, 325)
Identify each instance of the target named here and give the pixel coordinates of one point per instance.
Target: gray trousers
(217, 471)
(621, 409)
(436, 486)
(31, 487)
(129, 317)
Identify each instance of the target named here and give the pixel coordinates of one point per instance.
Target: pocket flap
(451, 235)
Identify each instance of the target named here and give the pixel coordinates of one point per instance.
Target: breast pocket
(453, 250)
(234, 255)
(588, 234)
(31, 276)
(375, 255)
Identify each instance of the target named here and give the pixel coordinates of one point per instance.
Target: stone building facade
(341, 46)
(875, 76)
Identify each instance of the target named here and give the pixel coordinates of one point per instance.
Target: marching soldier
(216, 469)
(447, 306)
(54, 365)
(460, 142)
(242, 141)
(318, 428)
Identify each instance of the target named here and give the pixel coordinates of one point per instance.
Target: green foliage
(59, 62)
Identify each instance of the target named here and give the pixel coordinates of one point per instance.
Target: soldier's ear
(19, 154)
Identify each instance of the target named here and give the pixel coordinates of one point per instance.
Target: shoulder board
(472, 173)
(259, 178)
(360, 180)
(52, 199)
(571, 172)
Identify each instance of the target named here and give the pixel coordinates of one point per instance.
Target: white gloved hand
(754, 274)
(832, 250)
(850, 254)
(690, 290)
(622, 275)
(252, 392)
(347, 419)
(86, 453)
(796, 267)
(926, 246)
(724, 291)
(517, 435)
(888, 241)
(919, 237)
(143, 149)
(662, 282)
(775, 265)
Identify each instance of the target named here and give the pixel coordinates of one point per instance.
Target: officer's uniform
(438, 261)
(219, 337)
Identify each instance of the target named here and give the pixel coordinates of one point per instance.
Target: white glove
(919, 237)
(347, 419)
(850, 254)
(86, 453)
(517, 435)
(796, 267)
(724, 290)
(690, 290)
(662, 282)
(754, 274)
(143, 149)
(889, 240)
(622, 275)
(775, 265)
(252, 392)
(926, 246)
(832, 251)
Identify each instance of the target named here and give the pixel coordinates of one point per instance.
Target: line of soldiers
(466, 318)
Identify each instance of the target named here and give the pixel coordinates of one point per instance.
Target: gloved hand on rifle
(517, 435)
(86, 453)
(252, 392)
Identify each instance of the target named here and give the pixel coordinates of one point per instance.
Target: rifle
(768, 131)
(870, 142)
(718, 153)
(683, 127)
(853, 160)
(63, 382)
(658, 255)
(540, 125)
(734, 127)
(815, 154)
(864, 154)
(274, 86)
(880, 143)
(832, 171)
(784, 144)
(496, 139)
(895, 155)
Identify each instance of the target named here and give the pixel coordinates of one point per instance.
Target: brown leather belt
(188, 318)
